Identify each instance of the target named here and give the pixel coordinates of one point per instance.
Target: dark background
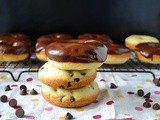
(117, 18)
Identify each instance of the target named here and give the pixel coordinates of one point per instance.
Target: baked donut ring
(134, 40)
(71, 98)
(148, 53)
(44, 40)
(114, 52)
(117, 54)
(76, 54)
(14, 47)
(67, 79)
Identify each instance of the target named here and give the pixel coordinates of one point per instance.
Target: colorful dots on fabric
(97, 116)
(110, 102)
(157, 92)
(34, 99)
(3, 77)
(139, 87)
(29, 117)
(81, 109)
(48, 108)
(138, 109)
(29, 79)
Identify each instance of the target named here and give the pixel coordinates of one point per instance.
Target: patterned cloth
(120, 103)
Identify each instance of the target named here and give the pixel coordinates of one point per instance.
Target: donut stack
(68, 76)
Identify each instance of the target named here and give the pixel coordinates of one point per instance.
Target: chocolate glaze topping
(116, 49)
(148, 49)
(105, 39)
(84, 51)
(15, 43)
(99, 37)
(44, 40)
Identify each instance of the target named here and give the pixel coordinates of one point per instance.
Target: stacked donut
(68, 76)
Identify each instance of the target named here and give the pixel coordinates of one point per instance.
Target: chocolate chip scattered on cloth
(121, 103)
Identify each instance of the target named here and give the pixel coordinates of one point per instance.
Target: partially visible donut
(71, 98)
(14, 47)
(67, 79)
(116, 54)
(148, 53)
(94, 36)
(134, 40)
(76, 54)
(44, 40)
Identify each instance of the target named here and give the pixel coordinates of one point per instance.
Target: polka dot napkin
(117, 102)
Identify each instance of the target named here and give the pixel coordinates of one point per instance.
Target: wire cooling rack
(33, 65)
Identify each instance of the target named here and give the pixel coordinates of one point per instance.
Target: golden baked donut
(71, 98)
(14, 47)
(76, 54)
(134, 40)
(148, 53)
(67, 79)
(116, 54)
(44, 40)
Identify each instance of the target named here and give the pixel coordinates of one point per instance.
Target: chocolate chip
(61, 99)
(23, 92)
(156, 82)
(19, 113)
(33, 92)
(76, 79)
(140, 92)
(72, 99)
(147, 95)
(13, 102)
(68, 116)
(83, 74)
(147, 104)
(69, 84)
(156, 106)
(7, 88)
(23, 87)
(4, 98)
(113, 86)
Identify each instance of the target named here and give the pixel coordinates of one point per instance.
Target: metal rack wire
(33, 65)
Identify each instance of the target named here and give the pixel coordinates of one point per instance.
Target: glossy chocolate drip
(44, 40)
(15, 43)
(83, 51)
(99, 37)
(148, 49)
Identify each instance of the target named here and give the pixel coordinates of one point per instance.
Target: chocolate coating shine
(148, 49)
(15, 43)
(84, 51)
(44, 40)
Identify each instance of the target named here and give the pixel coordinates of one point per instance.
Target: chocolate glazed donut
(44, 40)
(114, 52)
(148, 52)
(74, 52)
(14, 47)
